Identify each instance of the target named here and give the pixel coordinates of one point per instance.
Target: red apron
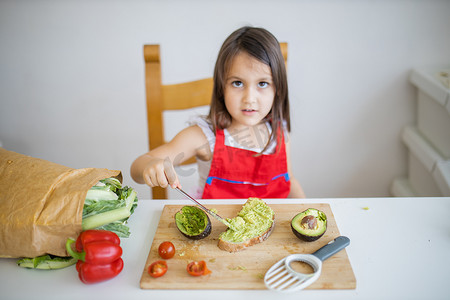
(238, 173)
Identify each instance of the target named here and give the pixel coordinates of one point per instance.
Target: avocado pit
(309, 222)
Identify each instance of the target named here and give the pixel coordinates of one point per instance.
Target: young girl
(242, 147)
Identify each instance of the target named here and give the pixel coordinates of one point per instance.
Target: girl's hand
(160, 172)
(156, 168)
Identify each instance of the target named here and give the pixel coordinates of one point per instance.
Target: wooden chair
(172, 97)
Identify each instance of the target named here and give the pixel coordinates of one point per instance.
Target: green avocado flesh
(309, 225)
(254, 219)
(191, 221)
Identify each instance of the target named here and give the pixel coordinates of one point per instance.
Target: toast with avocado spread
(253, 225)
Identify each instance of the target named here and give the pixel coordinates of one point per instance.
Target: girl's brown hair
(262, 45)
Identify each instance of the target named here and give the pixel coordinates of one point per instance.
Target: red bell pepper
(92, 273)
(93, 235)
(98, 257)
(97, 252)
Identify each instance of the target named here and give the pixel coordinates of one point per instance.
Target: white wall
(72, 78)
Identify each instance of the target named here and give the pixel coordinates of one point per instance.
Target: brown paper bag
(41, 204)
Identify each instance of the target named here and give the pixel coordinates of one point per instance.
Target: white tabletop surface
(399, 250)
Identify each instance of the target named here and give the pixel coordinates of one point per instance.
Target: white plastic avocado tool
(283, 278)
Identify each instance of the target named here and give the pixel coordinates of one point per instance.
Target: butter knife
(205, 209)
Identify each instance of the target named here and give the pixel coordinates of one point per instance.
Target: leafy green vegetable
(108, 206)
(101, 194)
(46, 262)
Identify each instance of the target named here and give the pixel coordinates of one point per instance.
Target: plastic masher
(283, 278)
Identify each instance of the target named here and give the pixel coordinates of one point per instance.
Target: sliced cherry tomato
(198, 268)
(166, 250)
(158, 268)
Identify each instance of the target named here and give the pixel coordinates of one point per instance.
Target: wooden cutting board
(244, 269)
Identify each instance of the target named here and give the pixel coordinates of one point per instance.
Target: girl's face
(249, 91)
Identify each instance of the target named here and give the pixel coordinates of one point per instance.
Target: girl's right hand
(160, 172)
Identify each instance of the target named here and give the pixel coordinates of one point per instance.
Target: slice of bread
(254, 222)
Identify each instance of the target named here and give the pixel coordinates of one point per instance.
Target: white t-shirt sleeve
(206, 127)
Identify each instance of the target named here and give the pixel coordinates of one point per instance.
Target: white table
(399, 250)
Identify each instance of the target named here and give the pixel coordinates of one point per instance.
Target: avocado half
(309, 225)
(193, 222)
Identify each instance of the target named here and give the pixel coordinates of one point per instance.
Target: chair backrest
(161, 98)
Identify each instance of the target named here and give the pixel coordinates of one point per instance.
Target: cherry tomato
(158, 268)
(198, 268)
(166, 250)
